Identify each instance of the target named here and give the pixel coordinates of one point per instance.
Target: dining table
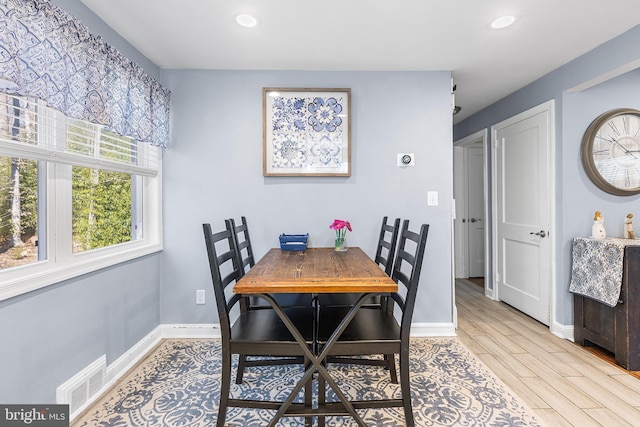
(316, 271)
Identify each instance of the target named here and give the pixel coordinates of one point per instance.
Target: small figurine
(597, 230)
(628, 227)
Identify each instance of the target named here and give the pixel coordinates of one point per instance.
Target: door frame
(549, 109)
(473, 140)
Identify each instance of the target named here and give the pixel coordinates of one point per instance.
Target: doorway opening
(470, 189)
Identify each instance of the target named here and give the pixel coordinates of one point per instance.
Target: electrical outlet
(200, 296)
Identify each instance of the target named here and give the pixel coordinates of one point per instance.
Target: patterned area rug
(178, 385)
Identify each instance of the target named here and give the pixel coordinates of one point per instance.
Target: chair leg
(242, 358)
(391, 365)
(405, 386)
(322, 398)
(225, 386)
(308, 394)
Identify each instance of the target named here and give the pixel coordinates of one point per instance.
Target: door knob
(475, 219)
(540, 233)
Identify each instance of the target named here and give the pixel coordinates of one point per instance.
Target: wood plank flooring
(562, 382)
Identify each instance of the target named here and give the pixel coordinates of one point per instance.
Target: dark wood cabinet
(616, 329)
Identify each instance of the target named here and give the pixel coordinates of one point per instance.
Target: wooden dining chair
(253, 332)
(246, 260)
(385, 252)
(373, 332)
(387, 241)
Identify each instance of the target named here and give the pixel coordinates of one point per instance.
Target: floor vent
(80, 389)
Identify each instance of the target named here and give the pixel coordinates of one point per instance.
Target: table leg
(316, 361)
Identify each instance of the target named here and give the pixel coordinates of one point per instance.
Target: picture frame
(306, 131)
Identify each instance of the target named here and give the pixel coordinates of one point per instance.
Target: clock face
(611, 152)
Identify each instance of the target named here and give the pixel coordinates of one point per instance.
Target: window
(102, 208)
(74, 197)
(18, 212)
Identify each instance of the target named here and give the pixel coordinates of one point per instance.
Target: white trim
(62, 264)
(206, 330)
(19, 149)
(562, 331)
(481, 136)
(433, 330)
(49, 143)
(131, 357)
(42, 277)
(611, 74)
(460, 261)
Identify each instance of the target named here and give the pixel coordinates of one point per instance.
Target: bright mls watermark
(34, 415)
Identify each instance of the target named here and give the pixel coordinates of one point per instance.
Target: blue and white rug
(178, 385)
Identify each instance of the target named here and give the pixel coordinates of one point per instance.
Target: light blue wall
(576, 197)
(49, 335)
(213, 171)
(581, 198)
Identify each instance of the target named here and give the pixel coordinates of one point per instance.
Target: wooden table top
(315, 270)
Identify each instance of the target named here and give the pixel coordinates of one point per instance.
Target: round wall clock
(611, 151)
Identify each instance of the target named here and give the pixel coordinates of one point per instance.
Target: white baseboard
(131, 357)
(562, 331)
(433, 330)
(205, 330)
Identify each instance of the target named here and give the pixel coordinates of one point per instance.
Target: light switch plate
(432, 198)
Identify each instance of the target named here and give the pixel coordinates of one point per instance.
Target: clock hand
(626, 150)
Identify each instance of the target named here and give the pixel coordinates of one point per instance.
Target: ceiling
(384, 35)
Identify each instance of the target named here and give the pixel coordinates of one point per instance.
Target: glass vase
(341, 244)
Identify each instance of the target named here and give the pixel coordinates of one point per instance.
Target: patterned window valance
(48, 54)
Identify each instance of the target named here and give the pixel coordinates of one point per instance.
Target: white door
(476, 219)
(522, 210)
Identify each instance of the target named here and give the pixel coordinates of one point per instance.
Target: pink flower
(340, 224)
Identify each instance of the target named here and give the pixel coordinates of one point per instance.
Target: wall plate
(406, 159)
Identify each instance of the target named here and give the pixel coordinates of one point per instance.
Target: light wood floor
(563, 383)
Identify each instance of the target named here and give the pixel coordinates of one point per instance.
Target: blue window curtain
(48, 54)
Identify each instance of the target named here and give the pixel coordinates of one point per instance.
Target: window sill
(22, 280)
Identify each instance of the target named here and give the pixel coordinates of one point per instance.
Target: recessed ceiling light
(247, 21)
(503, 22)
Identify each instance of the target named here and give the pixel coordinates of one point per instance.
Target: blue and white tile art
(307, 132)
(178, 385)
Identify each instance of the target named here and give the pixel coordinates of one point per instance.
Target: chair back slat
(232, 301)
(243, 244)
(225, 270)
(387, 241)
(399, 300)
(407, 268)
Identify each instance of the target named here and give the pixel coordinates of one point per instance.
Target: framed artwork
(306, 132)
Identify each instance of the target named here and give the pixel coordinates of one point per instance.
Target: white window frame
(61, 264)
